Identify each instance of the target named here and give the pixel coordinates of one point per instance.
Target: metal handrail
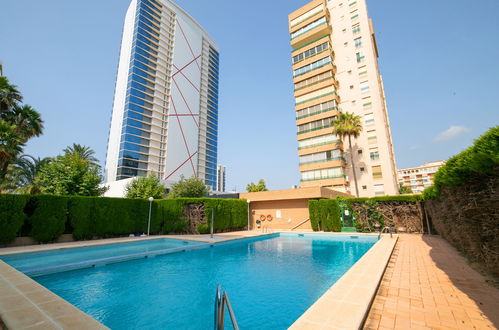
(222, 300)
(389, 230)
(301, 223)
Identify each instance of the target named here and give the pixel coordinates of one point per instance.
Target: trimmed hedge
(325, 214)
(480, 159)
(11, 216)
(397, 198)
(47, 217)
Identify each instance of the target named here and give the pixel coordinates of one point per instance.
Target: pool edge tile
(30, 312)
(349, 299)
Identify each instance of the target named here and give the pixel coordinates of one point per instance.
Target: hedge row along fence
(393, 211)
(463, 204)
(46, 217)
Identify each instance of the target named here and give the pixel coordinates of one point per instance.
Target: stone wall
(467, 216)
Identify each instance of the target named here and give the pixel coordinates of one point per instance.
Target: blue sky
(438, 60)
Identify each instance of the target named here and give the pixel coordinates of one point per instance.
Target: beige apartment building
(419, 178)
(335, 68)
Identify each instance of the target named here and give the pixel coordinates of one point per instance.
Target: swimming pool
(271, 281)
(54, 261)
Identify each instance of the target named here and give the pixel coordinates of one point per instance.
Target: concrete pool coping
(346, 304)
(25, 303)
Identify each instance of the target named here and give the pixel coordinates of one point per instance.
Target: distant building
(221, 178)
(419, 178)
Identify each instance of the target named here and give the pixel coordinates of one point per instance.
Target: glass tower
(165, 112)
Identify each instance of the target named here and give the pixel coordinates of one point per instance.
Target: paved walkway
(428, 285)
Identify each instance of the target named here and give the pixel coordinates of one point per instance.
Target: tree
(404, 190)
(145, 187)
(9, 95)
(348, 124)
(18, 123)
(82, 152)
(69, 174)
(192, 187)
(24, 172)
(260, 186)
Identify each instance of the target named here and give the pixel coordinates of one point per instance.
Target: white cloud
(451, 133)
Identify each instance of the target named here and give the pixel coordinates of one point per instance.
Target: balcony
(309, 33)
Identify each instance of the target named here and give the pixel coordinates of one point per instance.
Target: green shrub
(44, 216)
(480, 159)
(325, 214)
(48, 219)
(11, 216)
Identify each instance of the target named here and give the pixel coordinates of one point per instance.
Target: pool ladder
(222, 300)
(389, 230)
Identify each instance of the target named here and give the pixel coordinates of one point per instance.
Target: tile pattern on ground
(429, 285)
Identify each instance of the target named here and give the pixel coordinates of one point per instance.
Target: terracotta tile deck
(429, 285)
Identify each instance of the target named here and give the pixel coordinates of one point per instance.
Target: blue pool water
(270, 281)
(35, 263)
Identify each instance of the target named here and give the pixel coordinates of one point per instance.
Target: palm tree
(348, 124)
(11, 145)
(27, 121)
(9, 95)
(24, 172)
(83, 152)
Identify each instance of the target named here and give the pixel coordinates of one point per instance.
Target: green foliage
(374, 217)
(229, 213)
(70, 175)
(260, 186)
(11, 216)
(48, 219)
(325, 214)
(188, 188)
(145, 187)
(347, 124)
(45, 217)
(404, 190)
(18, 123)
(480, 159)
(397, 198)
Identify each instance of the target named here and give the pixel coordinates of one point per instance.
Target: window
(349, 71)
(312, 66)
(364, 86)
(367, 105)
(374, 155)
(364, 187)
(315, 109)
(315, 95)
(358, 42)
(327, 173)
(321, 157)
(310, 52)
(315, 125)
(352, 4)
(351, 86)
(362, 169)
(363, 73)
(369, 119)
(344, 30)
(356, 29)
(372, 140)
(317, 141)
(345, 44)
(355, 14)
(377, 174)
(307, 15)
(379, 189)
(313, 80)
(360, 57)
(308, 27)
(359, 151)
